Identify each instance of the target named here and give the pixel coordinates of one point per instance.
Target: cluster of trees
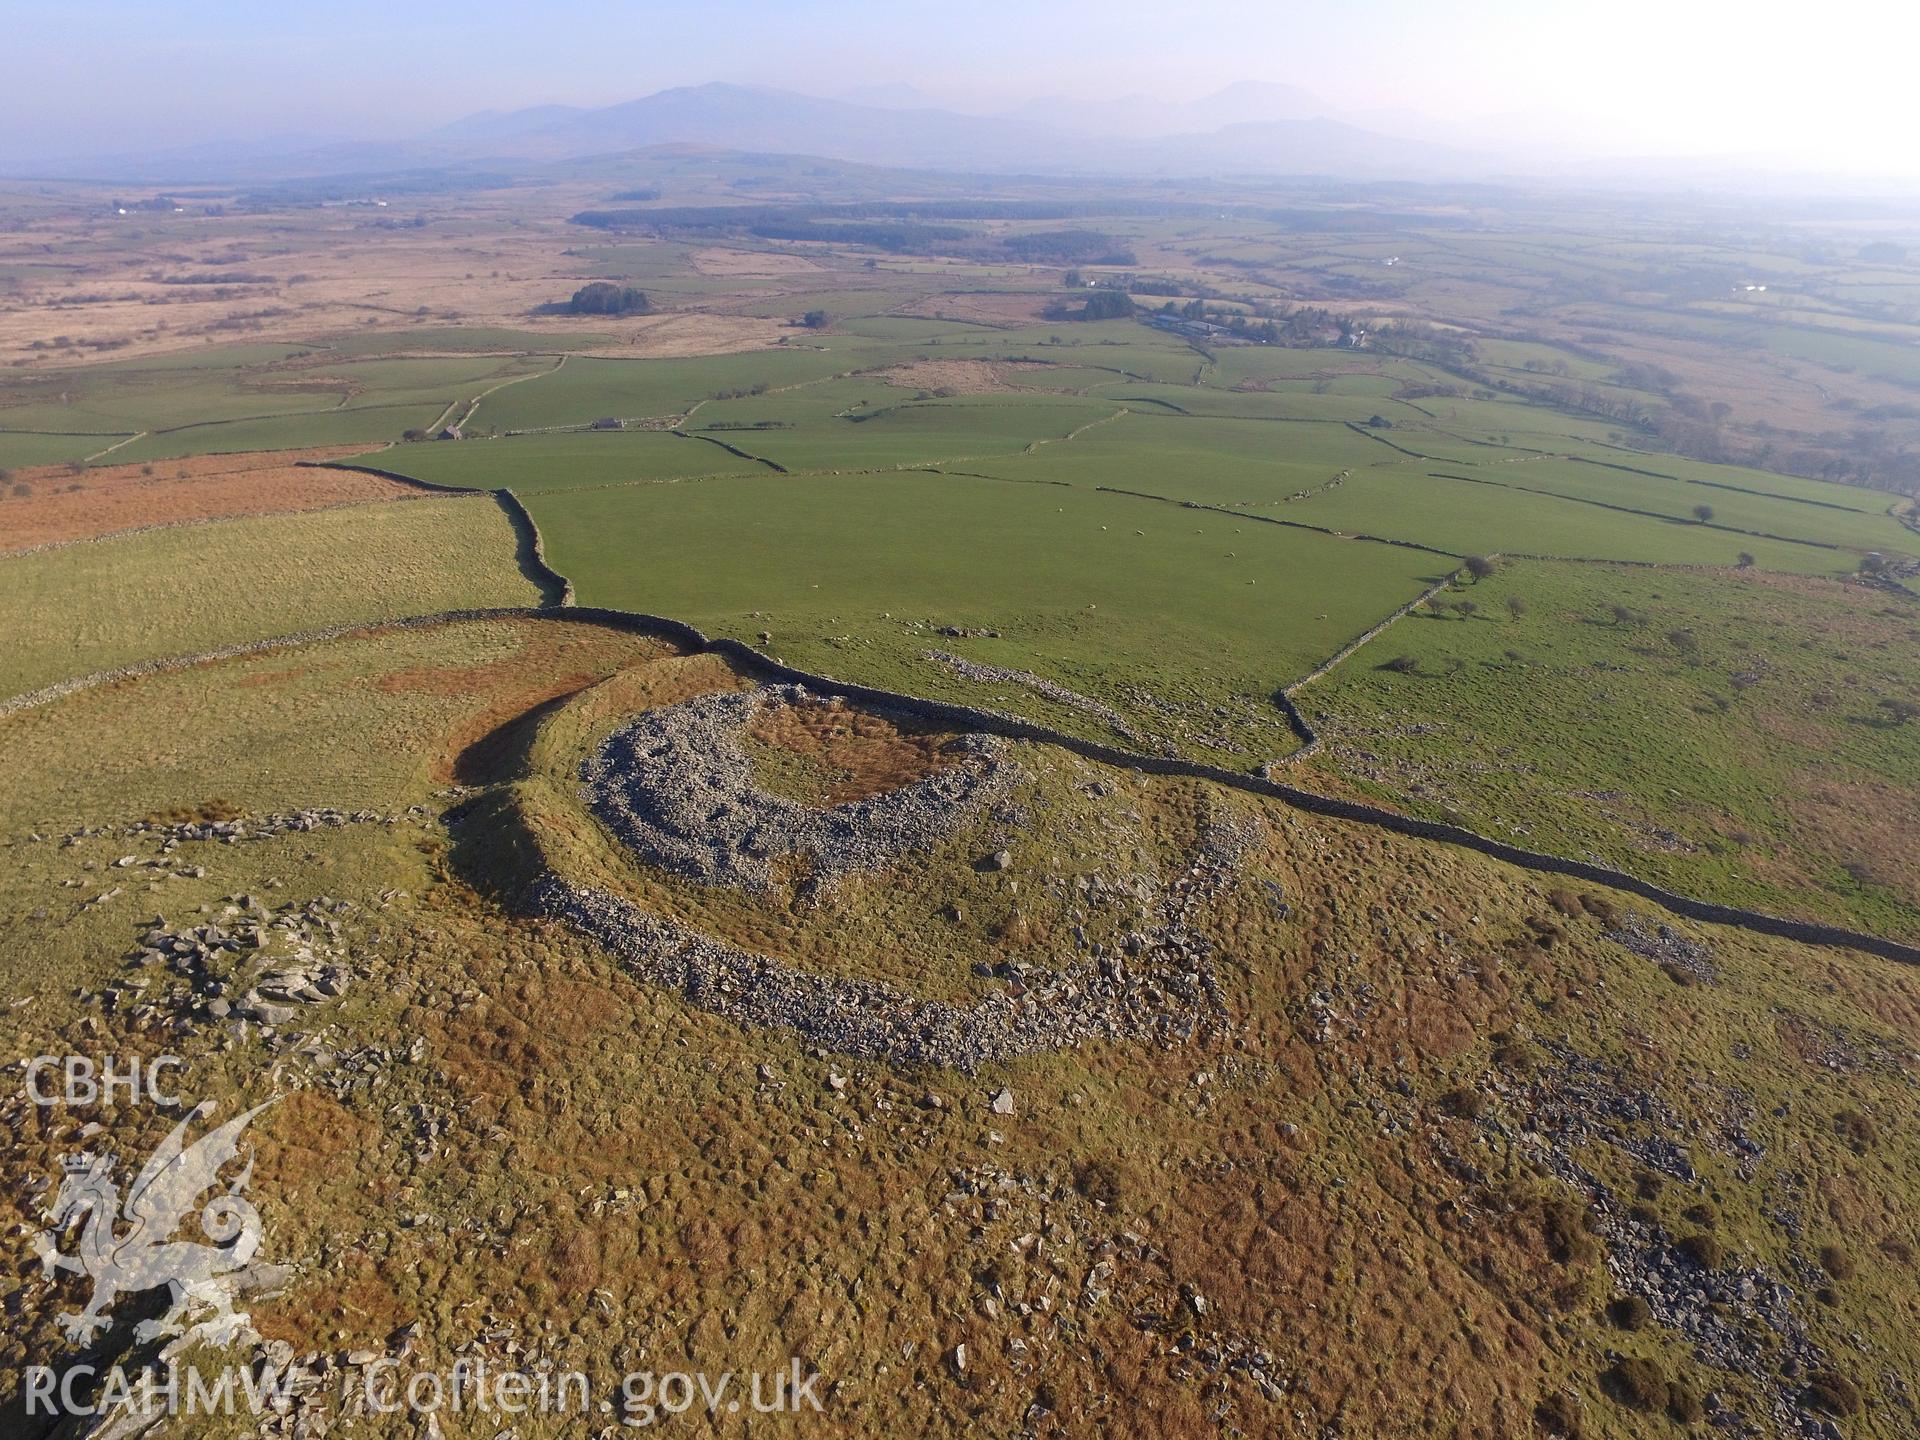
(1310, 325)
(1416, 340)
(1067, 247)
(1264, 329)
(604, 297)
(1872, 455)
(895, 238)
(1648, 400)
(1099, 305)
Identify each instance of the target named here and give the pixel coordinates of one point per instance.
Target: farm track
(440, 421)
(117, 445)
(1075, 434)
(473, 406)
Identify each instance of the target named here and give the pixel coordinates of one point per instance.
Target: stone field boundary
(558, 597)
(752, 662)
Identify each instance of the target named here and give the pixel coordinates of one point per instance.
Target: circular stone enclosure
(749, 788)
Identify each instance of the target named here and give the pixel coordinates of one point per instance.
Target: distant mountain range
(1251, 129)
(1256, 128)
(1139, 116)
(741, 117)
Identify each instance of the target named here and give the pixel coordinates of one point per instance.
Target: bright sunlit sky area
(1813, 88)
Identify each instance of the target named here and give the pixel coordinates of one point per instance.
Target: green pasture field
(1772, 516)
(182, 590)
(815, 402)
(528, 464)
(477, 338)
(1258, 466)
(1736, 477)
(1514, 355)
(1118, 345)
(586, 389)
(151, 401)
(1747, 760)
(1066, 376)
(1509, 422)
(20, 448)
(245, 398)
(1355, 398)
(1218, 462)
(400, 380)
(1416, 439)
(198, 387)
(909, 329)
(1881, 356)
(589, 388)
(1420, 503)
(365, 424)
(1214, 444)
(1117, 599)
(899, 430)
(210, 357)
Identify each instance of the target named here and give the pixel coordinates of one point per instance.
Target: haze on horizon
(1759, 84)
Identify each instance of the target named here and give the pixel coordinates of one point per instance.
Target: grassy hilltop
(1069, 1097)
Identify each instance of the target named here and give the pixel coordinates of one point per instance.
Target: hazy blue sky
(1821, 85)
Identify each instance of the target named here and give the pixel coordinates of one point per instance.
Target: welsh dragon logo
(145, 1254)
